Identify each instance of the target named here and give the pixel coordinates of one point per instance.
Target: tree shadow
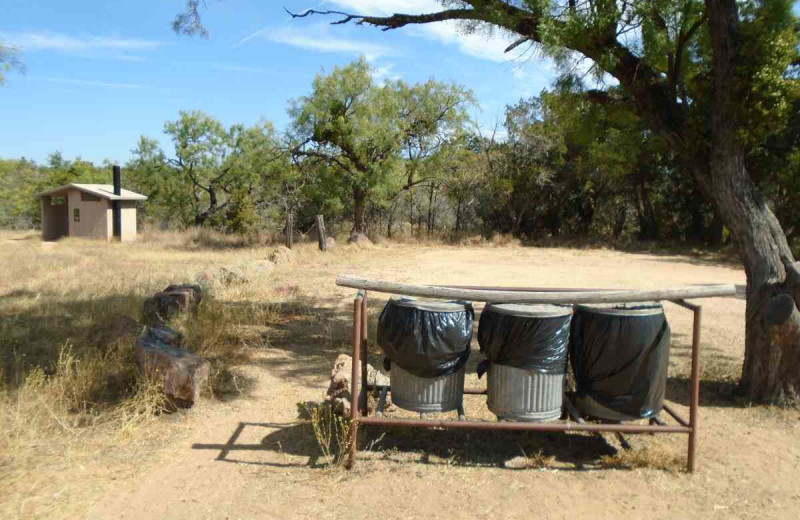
(719, 385)
(35, 333)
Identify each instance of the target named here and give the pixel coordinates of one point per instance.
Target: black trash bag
(538, 343)
(620, 361)
(426, 343)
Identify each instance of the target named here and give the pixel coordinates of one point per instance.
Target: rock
(280, 255)
(183, 373)
(166, 306)
(121, 327)
(232, 276)
(359, 238)
(330, 243)
(196, 290)
(205, 279)
(338, 393)
(166, 335)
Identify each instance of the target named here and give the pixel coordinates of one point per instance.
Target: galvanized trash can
(526, 350)
(427, 344)
(619, 355)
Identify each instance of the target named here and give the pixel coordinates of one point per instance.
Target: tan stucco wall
(128, 211)
(54, 220)
(93, 217)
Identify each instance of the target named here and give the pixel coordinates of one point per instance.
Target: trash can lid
(529, 310)
(430, 305)
(623, 309)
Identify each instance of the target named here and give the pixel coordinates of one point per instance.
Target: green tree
(432, 117)
(708, 78)
(9, 60)
(212, 168)
(350, 124)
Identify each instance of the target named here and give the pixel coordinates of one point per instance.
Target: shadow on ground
(568, 451)
(718, 380)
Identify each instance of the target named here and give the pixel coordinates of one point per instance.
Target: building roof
(105, 191)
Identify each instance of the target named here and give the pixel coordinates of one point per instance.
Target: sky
(99, 74)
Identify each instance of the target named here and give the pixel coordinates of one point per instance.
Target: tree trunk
(458, 220)
(431, 214)
(698, 222)
(772, 339)
(619, 221)
(321, 238)
(716, 230)
(411, 209)
(359, 206)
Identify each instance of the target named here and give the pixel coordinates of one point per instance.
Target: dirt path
(253, 457)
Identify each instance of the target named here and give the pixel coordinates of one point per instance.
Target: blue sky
(99, 74)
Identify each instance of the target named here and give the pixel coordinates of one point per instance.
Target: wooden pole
(289, 229)
(323, 246)
(488, 295)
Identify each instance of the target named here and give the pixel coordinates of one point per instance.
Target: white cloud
(318, 38)
(36, 41)
(249, 37)
(90, 83)
(87, 46)
(384, 73)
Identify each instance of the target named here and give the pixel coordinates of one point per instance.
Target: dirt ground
(254, 456)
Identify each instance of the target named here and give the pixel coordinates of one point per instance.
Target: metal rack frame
(359, 414)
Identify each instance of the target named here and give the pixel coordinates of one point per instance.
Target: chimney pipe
(116, 210)
(117, 182)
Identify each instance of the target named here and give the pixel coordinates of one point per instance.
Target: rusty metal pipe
(671, 411)
(523, 426)
(362, 397)
(474, 391)
(694, 394)
(686, 305)
(355, 387)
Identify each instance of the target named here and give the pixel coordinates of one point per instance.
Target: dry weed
(645, 458)
(331, 432)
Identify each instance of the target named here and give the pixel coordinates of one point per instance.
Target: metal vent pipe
(116, 209)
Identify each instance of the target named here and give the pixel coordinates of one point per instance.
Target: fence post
(289, 229)
(323, 245)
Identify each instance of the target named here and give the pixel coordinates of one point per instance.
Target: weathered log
(484, 295)
(338, 393)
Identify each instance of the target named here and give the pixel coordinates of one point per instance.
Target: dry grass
(331, 432)
(78, 426)
(645, 458)
(61, 386)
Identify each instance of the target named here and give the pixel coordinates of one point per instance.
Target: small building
(90, 210)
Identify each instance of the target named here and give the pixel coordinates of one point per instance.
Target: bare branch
(517, 43)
